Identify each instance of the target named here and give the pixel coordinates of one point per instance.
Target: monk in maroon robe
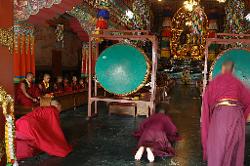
(58, 86)
(226, 104)
(81, 84)
(157, 134)
(66, 86)
(44, 86)
(75, 85)
(27, 93)
(40, 131)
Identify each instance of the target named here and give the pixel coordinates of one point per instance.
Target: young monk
(66, 85)
(58, 86)
(81, 84)
(156, 135)
(40, 131)
(45, 85)
(74, 84)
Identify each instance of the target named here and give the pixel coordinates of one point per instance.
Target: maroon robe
(40, 131)
(44, 90)
(223, 127)
(67, 87)
(75, 86)
(81, 86)
(31, 89)
(58, 87)
(159, 133)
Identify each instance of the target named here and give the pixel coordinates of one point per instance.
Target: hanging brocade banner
(23, 53)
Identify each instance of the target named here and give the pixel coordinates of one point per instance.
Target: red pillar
(6, 59)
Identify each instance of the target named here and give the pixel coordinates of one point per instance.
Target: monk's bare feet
(139, 153)
(150, 155)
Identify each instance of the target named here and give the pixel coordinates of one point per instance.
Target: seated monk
(58, 86)
(75, 84)
(66, 85)
(44, 86)
(157, 134)
(40, 131)
(81, 84)
(27, 93)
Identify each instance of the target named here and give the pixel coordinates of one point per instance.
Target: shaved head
(56, 104)
(46, 78)
(29, 76)
(227, 67)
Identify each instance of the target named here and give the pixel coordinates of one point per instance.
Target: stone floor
(107, 141)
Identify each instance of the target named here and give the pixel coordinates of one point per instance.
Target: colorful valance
(24, 51)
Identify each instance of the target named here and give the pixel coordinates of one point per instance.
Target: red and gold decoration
(189, 31)
(85, 59)
(23, 53)
(6, 38)
(7, 104)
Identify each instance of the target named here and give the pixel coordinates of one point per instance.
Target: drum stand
(121, 35)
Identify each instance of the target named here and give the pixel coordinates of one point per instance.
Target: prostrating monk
(75, 84)
(40, 131)
(226, 104)
(58, 86)
(157, 134)
(27, 93)
(45, 85)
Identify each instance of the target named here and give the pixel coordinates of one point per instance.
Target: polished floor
(107, 141)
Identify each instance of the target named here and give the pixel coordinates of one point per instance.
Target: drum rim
(145, 77)
(219, 56)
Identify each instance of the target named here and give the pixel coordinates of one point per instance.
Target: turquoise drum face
(241, 59)
(122, 69)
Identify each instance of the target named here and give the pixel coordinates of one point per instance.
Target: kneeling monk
(157, 135)
(27, 93)
(40, 131)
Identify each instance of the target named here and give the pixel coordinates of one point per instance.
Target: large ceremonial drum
(122, 69)
(241, 59)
